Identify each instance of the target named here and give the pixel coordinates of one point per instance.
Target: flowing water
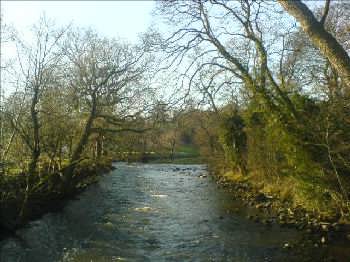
(150, 212)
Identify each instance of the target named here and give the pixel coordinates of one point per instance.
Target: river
(151, 212)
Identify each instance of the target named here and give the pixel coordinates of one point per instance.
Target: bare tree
(36, 64)
(229, 38)
(320, 37)
(105, 76)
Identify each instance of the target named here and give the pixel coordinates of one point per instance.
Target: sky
(125, 19)
(119, 19)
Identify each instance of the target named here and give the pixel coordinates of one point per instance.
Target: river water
(150, 212)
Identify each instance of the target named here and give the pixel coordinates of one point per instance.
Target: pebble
(142, 209)
(286, 245)
(324, 227)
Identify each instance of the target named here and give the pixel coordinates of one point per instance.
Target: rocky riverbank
(267, 209)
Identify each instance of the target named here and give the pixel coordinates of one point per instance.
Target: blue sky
(125, 19)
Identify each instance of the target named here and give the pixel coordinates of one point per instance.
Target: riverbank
(267, 208)
(21, 203)
(187, 155)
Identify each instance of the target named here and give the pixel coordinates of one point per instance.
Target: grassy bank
(182, 155)
(180, 161)
(24, 198)
(292, 202)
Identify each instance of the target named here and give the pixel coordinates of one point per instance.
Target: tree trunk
(172, 152)
(36, 137)
(68, 172)
(86, 133)
(99, 146)
(320, 38)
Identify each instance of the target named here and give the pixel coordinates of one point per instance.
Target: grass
(235, 177)
(188, 150)
(182, 155)
(179, 160)
(315, 194)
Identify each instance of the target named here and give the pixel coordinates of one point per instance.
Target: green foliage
(24, 196)
(283, 151)
(234, 140)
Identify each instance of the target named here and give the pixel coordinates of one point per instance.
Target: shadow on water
(159, 212)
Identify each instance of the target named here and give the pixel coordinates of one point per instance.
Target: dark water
(144, 212)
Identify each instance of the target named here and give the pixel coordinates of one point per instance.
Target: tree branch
(325, 12)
